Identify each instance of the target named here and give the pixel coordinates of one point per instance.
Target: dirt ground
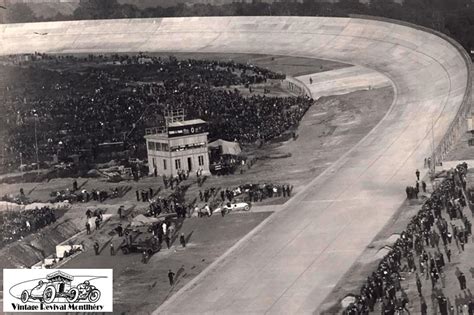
(328, 129)
(207, 239)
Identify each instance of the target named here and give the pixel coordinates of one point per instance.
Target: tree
(97, 9)
(126, 11)
(20, 13)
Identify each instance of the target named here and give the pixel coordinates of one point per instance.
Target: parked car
(139, 241)
(235, 206)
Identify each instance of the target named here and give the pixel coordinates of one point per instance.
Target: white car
(235, 206)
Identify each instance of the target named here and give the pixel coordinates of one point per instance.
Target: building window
(151, 145)
(201, 160)
(164, 164)
(177, 164)
(188, 146)
(158, 146)
(154, 164)
(165, 147)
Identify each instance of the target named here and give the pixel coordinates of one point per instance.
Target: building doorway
(190, 164)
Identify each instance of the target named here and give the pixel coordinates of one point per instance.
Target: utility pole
(433, 147)
(21, 165)
(36, 143)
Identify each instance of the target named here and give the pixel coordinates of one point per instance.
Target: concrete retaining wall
(296, 86)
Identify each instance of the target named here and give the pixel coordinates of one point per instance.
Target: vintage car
(138, 240)
(58, 285)
(235, 206)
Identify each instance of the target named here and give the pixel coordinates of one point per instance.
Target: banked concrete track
(291, 263)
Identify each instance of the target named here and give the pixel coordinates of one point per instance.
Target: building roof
(59, 274)
(186, 123)
(231, 148)
(157, 136)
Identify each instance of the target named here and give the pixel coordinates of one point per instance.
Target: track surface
(343, 81)
(291, 263)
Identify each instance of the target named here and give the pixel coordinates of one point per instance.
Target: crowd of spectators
(173, 203)
(247, 192)
(82, 195)
(73, 104)
(18, 224)
(421, 248)
(209, 198)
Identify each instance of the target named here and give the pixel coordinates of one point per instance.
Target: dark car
(140, 240)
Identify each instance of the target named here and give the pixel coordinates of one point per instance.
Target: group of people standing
(247, 192)
(18, 224)
(50, 90)
(174, 181)
(423, 248)
(93, 218)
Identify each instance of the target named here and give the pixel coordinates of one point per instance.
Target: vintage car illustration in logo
(58, 285)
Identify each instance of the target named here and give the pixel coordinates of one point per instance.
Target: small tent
(226, 147)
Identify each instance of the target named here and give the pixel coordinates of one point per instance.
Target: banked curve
(320, 233)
